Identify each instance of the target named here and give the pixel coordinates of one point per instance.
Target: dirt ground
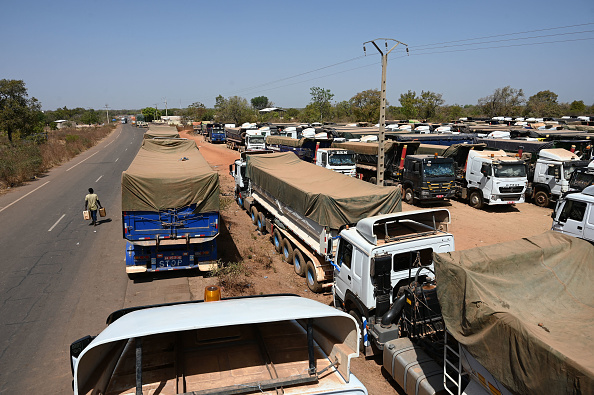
(268, 274)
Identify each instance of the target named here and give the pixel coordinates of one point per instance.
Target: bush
(19, 162)
(232, 277)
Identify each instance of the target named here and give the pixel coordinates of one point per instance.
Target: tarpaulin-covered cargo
(459, 152)
(525, 310)
(326, 197)
(169, 174)
(163, 132)
(431, 149)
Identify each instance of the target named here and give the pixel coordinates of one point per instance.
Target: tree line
(21, 116)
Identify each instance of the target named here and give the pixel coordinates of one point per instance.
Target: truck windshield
(505, 170)
(342, 160)
(569, 168)
(581, 180)
(439, 169)
(256, 139)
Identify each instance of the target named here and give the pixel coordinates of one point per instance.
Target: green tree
(291, 113)
(410, 104)
(343, 111)
(429, 103)
(234, 109)
(18, 114)
(366, 105)
(90, 117)
(260, 102)
(195, 111)
(577, 107)
(320, 99)
(543, 104)
(505, 101)
(150, 113)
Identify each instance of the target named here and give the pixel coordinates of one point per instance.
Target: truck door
(572, 219)
(552, 179)
(343, 278)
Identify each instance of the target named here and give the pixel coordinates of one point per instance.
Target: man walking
(92, 204)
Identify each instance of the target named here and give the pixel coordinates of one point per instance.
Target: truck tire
(409, 196)
(299, 264)
(312, 278)
(277, 240)
(475, 199)
(287, 251)
(254, 214)
(261, 223)
(541, 198)
(373, 180)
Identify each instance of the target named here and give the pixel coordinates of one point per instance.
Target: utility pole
(382, 120)
(107, 109)
(156, 111)
(165, 106)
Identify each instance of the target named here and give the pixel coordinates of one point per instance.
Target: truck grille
(510, 197)
(511, 189)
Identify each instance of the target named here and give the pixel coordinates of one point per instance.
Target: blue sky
(134, 54)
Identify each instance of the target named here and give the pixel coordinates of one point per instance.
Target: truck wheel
(475, 200)
(299, 263)
(277, 240)
(254, 214)
(312, 278)
(287, 251)
(261, 223)
(542, 199)
(373, 180)
(409, 197)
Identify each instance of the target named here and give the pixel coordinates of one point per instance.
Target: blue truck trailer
(170, 208)
(304, 148)
(215, 133)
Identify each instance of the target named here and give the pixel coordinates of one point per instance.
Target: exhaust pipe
(395, 310)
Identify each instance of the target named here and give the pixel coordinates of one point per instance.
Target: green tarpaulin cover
(525, 310)
(155, 131)
(288, 141)
(167, 174)
(326, 197)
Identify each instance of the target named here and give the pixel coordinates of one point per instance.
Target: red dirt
(268, 274)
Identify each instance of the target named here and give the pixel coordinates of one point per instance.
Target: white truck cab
(255, 140)
(378, 257)
(552, 172)
(338, 160)
(495, 178)
(574, 215)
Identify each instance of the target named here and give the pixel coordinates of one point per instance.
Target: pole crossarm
(382, 121)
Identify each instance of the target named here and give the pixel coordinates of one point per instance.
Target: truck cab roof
(500, 156)
(558, 154)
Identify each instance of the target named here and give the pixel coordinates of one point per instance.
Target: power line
(508, 34)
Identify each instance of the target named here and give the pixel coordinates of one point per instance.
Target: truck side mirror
(381, 264)
(230, 170)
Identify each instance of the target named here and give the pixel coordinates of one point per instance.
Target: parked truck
(582, 178)
(574, 214)
(495, 320)
(549, 176)
(214, 133)
(272, 344)
(242, 139)
(305, 148)
(170, 208)
(424, 177)
(338, 160)
(487, 177)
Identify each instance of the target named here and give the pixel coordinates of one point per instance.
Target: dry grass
(233, 279)
(24, 159)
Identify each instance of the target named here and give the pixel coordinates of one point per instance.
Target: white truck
(267, 344)
(551, 174)
(242, 139)
(307, 208)
(574, 214)
(338, 160)
(487, 177)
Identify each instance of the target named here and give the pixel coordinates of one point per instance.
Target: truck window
(486, 169)
(256, 139)
(403, 261)
(345, 253)
(508, 170)
(554, 171)
(342, 160)
(439, 169)
(573, 210)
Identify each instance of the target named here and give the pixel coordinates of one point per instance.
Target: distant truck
(305, 148)
(574, 214)
(242, 139)
(338, 160)
(215, 132)
(487, 177)
(424, 178)
(484, 327)
(170, 208)
(264, 344)
(550, 175)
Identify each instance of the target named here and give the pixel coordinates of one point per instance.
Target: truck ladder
(449, 352)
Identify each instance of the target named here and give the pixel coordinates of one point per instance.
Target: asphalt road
(60, 278)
